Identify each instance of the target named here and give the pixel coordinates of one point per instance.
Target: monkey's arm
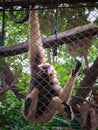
(66, 91)
(36, 52)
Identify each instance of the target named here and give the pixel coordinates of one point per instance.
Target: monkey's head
(46, 72)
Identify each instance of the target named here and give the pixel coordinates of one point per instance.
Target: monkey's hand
(76, 70)
(27, 105)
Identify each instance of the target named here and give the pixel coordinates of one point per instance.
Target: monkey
(45, 95)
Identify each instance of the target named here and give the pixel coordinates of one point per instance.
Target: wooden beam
(26, 3)
(67, 37)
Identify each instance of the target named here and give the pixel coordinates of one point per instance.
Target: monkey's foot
(68, 110)
(27, 105)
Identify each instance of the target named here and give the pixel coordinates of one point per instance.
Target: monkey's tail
(35, 48)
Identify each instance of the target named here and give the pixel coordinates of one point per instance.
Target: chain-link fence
(27, 49)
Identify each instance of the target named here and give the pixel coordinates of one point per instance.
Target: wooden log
(26, 3)
(67, 37)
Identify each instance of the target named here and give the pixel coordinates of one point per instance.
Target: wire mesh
(76, 38)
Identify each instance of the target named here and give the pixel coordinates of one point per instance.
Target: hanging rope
(17, 20)
(25, 14)
(57, 14)
(56, 32)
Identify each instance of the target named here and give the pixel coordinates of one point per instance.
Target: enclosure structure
(69, 30)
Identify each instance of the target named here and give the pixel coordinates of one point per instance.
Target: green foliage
(23, 82)
(9, 111)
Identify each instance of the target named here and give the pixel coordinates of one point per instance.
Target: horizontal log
(67, 37)
(26, 3)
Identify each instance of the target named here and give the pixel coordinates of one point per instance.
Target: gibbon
(45, 95)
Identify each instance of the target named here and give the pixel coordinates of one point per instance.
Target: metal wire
(74, 24)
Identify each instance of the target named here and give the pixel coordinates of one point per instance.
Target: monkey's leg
(55, 104)
(66, 91)
(47, 114)
(64, 108)
(30, 104)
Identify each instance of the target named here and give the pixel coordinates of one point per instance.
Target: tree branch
(5, 89)
(67, 37)
(86, 85)
(9, 77)
(26, 3)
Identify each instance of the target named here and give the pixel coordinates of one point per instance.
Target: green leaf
(19, 85)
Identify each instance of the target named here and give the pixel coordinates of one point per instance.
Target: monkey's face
(46, 71)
